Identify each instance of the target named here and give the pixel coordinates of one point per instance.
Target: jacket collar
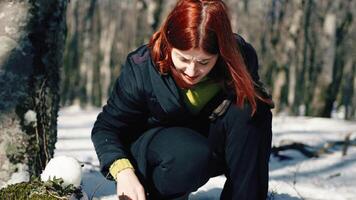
(166, 91)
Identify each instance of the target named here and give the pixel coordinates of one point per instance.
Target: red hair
(204, 24)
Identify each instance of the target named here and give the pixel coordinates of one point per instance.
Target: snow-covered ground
(331, 176)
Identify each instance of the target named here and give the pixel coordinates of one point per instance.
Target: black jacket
(142, 99)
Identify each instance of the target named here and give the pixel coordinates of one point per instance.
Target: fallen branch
(314, 152)
(302, 148)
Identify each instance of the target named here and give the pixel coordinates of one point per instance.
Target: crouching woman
(187, 107)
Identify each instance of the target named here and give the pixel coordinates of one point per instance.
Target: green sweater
(198, 96)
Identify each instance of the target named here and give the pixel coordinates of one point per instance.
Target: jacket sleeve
(250, 58)
(119, 119)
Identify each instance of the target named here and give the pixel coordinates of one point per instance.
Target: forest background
(306, 49)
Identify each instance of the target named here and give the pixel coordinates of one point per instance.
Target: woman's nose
(190, 70)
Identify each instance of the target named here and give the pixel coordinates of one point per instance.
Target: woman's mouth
(191, 78)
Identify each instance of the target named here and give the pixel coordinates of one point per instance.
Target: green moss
(37, 190)
(22, 191)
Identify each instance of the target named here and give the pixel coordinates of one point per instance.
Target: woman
(186, 107)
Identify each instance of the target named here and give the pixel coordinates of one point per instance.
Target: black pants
(182, 159)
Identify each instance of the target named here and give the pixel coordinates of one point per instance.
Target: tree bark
(32, 39)
(342, 31)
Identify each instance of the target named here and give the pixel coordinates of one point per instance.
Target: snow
(331, 176)
(21, 175)
(30, 117)
(65, 167)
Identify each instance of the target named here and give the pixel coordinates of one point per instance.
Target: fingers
(141, 195)
(138, 195)
(129, 187)
(126, 197)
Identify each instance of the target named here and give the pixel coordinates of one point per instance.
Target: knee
(183, 166)
(241, 118)
(245, 112)
(236, 114)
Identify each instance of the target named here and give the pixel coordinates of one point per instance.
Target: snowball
(65, 167)
(30, 116)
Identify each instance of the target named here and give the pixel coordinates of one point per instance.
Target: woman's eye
(184, 60)
(204, 63)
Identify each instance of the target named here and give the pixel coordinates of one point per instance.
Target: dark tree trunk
(32, 37)
(339, 61)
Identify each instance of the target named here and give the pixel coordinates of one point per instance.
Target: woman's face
(194, 64)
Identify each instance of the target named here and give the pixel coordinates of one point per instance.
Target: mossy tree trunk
(32, 36)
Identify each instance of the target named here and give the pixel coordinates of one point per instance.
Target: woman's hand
(128, 186)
